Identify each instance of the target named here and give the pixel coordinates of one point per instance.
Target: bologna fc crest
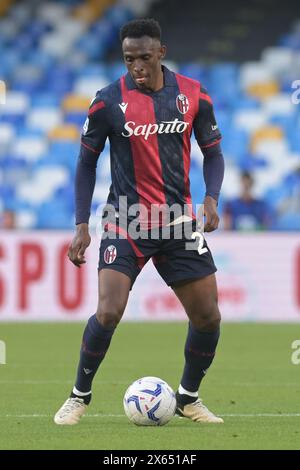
(182, 103)
(110, 254)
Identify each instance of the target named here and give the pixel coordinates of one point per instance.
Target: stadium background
(53, 57)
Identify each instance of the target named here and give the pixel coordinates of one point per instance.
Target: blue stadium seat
(27, 86)
(75, 118)
(248, 162)
(104, 30)
(54, 214)
(93, 70)
(10, 163)
(8, 196)
(60, 153)
(37, 27)
(7, 191)
(23, 43)
(41, 59)
(116, 70)
(292, 41)
(60, 79)
(286, 122)
(196, 71)
(289, 221)
(64, 147)
(9, 60)
(223, 82)
(273, 196)
(45, 99)
(92, 46)
(29, 132)
(293, 135)
(17, 120)
(197, 183)
(66, 194)
(242, 101)
(235, 143)
(118, 15)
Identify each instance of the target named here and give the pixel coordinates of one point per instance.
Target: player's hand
(211, 214)
(79, 244)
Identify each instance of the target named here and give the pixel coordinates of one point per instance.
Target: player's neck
(158, 83)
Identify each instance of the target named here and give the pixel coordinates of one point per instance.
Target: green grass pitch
(252, 384)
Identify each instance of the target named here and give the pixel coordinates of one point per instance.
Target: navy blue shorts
(171, 257)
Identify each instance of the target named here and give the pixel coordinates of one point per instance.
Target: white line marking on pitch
(124, 382)
(266, 415)
(108, 415)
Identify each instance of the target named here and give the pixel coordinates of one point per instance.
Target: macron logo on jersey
(123, 107)
(166, 127)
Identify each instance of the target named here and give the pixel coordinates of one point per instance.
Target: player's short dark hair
(139, 28)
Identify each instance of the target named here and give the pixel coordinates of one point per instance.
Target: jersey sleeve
(96, 127)
(213, 170)
(205, 126)
(95, 131)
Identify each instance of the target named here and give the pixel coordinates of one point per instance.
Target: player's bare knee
(214, 323)
(108, 318)
(110, 310)
(213, 320)
(207, 319)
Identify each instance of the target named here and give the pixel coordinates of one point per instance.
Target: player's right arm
(95, 132)
(208, 137)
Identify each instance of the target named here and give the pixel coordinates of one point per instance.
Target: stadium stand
(56, 55)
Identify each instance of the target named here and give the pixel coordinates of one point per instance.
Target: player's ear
(162, 52)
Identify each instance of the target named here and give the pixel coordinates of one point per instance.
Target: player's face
(143, 57)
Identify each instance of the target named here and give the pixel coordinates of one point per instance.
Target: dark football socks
(95, 343)
(199, 353)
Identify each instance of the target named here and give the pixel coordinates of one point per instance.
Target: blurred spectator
(8, 219)
(246, 212)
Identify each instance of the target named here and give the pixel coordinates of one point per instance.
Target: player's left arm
(95, 132)
(208, 137)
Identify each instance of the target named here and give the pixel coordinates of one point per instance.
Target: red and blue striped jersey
(149, 135)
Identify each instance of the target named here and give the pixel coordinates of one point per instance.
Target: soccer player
(148, 116)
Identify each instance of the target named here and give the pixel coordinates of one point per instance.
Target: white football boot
(198, 412)
(71, 411)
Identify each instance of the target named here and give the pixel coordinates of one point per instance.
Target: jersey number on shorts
(200, 248)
